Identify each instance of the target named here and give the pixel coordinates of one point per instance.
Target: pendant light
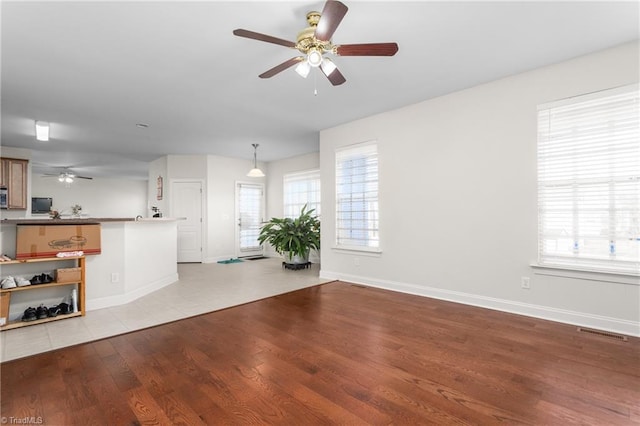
(255, 172)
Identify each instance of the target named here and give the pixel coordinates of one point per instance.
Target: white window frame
(298, 189)
(346, 237)
(589, 183)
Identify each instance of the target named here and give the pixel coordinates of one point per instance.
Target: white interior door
(249, 216)
(186, 201)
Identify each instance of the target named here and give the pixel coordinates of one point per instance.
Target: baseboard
(582, 319)
(121, 299)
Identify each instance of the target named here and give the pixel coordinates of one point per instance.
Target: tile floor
(202, 288)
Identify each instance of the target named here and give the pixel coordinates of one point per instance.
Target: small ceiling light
(66, 177)
(255, 172)
(327, 66)
(42, 131)
(314, 57)
(303, 69)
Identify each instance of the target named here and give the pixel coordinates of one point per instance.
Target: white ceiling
(95, 69)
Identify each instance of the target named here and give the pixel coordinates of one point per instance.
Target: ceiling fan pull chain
(315, 84)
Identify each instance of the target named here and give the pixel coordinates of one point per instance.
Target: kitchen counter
(85, 221)
(137, 258)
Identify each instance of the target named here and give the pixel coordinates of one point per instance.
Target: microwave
(4, 197)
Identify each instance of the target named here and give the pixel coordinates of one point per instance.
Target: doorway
(249, 217)
(186, 202)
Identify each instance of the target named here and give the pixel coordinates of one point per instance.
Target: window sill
(586, 274)
(361, 251)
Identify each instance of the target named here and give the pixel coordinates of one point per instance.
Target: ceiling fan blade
(263, 37)
(330, 18)
(283, 66)
(333, 74)
(367, 49)
(82, 177)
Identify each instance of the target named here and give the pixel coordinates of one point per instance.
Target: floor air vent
(603, 333)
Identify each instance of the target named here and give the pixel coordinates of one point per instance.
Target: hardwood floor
(334, 354)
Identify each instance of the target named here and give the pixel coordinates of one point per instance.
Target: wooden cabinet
(13, 268)
(13, 176)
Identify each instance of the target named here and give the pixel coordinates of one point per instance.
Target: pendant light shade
(255, 172)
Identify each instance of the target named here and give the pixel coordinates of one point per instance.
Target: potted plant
(293, 238)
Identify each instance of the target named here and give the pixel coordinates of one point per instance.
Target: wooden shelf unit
(80, 262)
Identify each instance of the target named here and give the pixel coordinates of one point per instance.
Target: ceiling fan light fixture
(42, 131)
(303, 69)
(328, 66)
(255, 172)
(66, 177)
(314, 57)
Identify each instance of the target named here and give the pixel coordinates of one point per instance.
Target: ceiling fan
(315, 41)
(67, 176)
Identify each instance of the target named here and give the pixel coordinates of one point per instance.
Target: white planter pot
(295, 260)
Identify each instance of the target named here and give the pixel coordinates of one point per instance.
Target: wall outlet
(525, 283)
(115, 277)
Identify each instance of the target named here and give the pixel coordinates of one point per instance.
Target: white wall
(275, 197)
(157, 168)
(223, 173)
(275, 174)
(219, 176)
(99, 197)
(458, 215)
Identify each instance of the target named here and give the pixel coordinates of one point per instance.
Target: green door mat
(230, 261)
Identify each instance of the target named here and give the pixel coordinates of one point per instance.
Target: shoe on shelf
(29, 314)
(22, 282)
(54, 311)
(42, 312)
(6, 258)
(36, 280)
(8, 282)
(64, 308)
(45, 278)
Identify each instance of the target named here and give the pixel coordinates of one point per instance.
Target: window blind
(357, 197)
(250, 199)
(300, 189)
(589, 182)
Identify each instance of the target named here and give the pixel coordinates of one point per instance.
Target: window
(357, 197)
(589, 182)
(300, 189)
(250, 208)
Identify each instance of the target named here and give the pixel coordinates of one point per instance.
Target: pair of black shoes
(41, 279)
(42, 312)
(31, 314)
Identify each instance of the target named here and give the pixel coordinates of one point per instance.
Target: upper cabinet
(13, 176)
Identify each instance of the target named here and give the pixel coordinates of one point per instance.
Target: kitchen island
(138, 256)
